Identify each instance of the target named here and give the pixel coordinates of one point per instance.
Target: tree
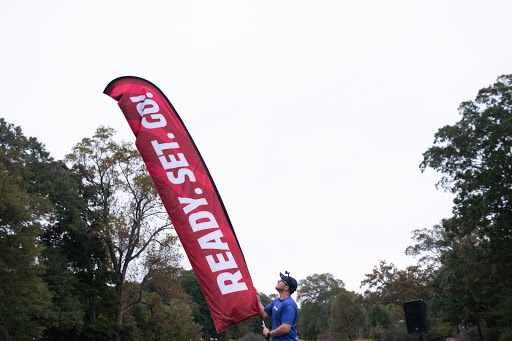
(24, 297)
(388, 289)
(431, 244)
(165, 312)
(394, 286)
(129, 215)
(348, 319)
(319, 288)
(200, 309)
(459, 285)
(316, 294)
(70, 251)
(252, 337)
(474, 155)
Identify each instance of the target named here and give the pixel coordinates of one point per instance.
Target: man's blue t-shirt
(284, 311)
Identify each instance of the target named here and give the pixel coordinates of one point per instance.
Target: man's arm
(279, 331)
(262, 308)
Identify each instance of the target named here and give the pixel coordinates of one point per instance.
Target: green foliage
(348, 318)
(55, 275)
(319, 288)
(200, 309)
(252, 337)
(313, 319)
(379, 315)
(506, 334)
(316, 294)
(127, 217)
(68, 309)
(431, 244)
(161, 309)
(377, 333)
(155, 320)
(71, 250)
(397, 286)
(459, 285)
(475, 157)
(24, 296)
(251, 326)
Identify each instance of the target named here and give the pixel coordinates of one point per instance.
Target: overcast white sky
(311, 115)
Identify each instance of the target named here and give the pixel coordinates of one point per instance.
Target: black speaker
(416, 317)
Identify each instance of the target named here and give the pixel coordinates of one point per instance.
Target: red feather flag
(190, 198)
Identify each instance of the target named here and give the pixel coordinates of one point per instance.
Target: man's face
(281, 285)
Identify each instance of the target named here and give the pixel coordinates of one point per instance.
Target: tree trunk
(120, 313)
(91, 314)
(91, 310)
(119, 323)
(480, 331)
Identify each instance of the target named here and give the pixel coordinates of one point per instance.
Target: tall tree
(348, 319)
(475, 157)
(24, 297)
(130, 216)
(66, 249)
(316, 294)
(71, 251)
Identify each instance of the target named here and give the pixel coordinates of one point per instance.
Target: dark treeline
(87, 251)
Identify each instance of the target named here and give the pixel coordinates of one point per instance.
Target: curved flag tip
(123, 79)
(191, 199)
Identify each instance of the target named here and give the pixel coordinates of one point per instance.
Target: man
(283, 310)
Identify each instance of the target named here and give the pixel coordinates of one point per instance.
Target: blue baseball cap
(289, 281)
